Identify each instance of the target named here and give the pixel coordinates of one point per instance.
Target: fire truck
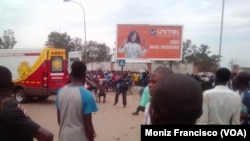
(37, 72)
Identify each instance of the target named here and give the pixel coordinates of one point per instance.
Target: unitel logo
(165, 32)
(152, 32)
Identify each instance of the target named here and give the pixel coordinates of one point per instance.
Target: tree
(187, 50)
(60, 40)
(77, 43)
(97, 52)
(8, 40)
(200, 56)
(1, 43)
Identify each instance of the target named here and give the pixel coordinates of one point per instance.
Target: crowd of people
(166, 98)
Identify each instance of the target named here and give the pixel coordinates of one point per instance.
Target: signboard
(149, 42)
(121, 62)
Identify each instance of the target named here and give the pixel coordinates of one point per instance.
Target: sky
(33, 20)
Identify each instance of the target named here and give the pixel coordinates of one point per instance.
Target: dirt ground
(112, 123)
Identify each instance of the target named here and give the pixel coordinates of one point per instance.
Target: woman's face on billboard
(133, 37)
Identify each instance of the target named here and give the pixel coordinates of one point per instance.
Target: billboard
(138, 42)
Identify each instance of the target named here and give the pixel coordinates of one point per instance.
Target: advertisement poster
(137, 42)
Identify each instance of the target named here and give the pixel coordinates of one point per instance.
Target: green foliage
(1, 42)
(97, 52)
(199, 56)
(92, 51)
(59, 40)
(8, 40)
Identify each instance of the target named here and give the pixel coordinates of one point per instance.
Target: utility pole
(221, 29)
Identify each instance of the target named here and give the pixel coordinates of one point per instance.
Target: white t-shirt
(133, 50)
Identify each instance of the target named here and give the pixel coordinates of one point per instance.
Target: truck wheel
(20, 96)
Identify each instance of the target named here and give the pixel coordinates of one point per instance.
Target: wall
(176, 67)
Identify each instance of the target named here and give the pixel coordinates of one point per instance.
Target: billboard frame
(164, 35)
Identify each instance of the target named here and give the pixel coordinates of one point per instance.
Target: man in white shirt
(221, 106)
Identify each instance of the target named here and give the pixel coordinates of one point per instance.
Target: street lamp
(85, 42)
(221, 27)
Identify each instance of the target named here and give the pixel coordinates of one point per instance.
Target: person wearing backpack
(123, 83)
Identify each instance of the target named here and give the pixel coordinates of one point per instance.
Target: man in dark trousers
(123, 83)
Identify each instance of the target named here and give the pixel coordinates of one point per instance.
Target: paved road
(112, 123)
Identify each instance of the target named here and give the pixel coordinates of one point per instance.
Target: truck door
(57, 70)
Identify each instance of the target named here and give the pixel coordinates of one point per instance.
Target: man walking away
(221, 105)
(75, 106)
